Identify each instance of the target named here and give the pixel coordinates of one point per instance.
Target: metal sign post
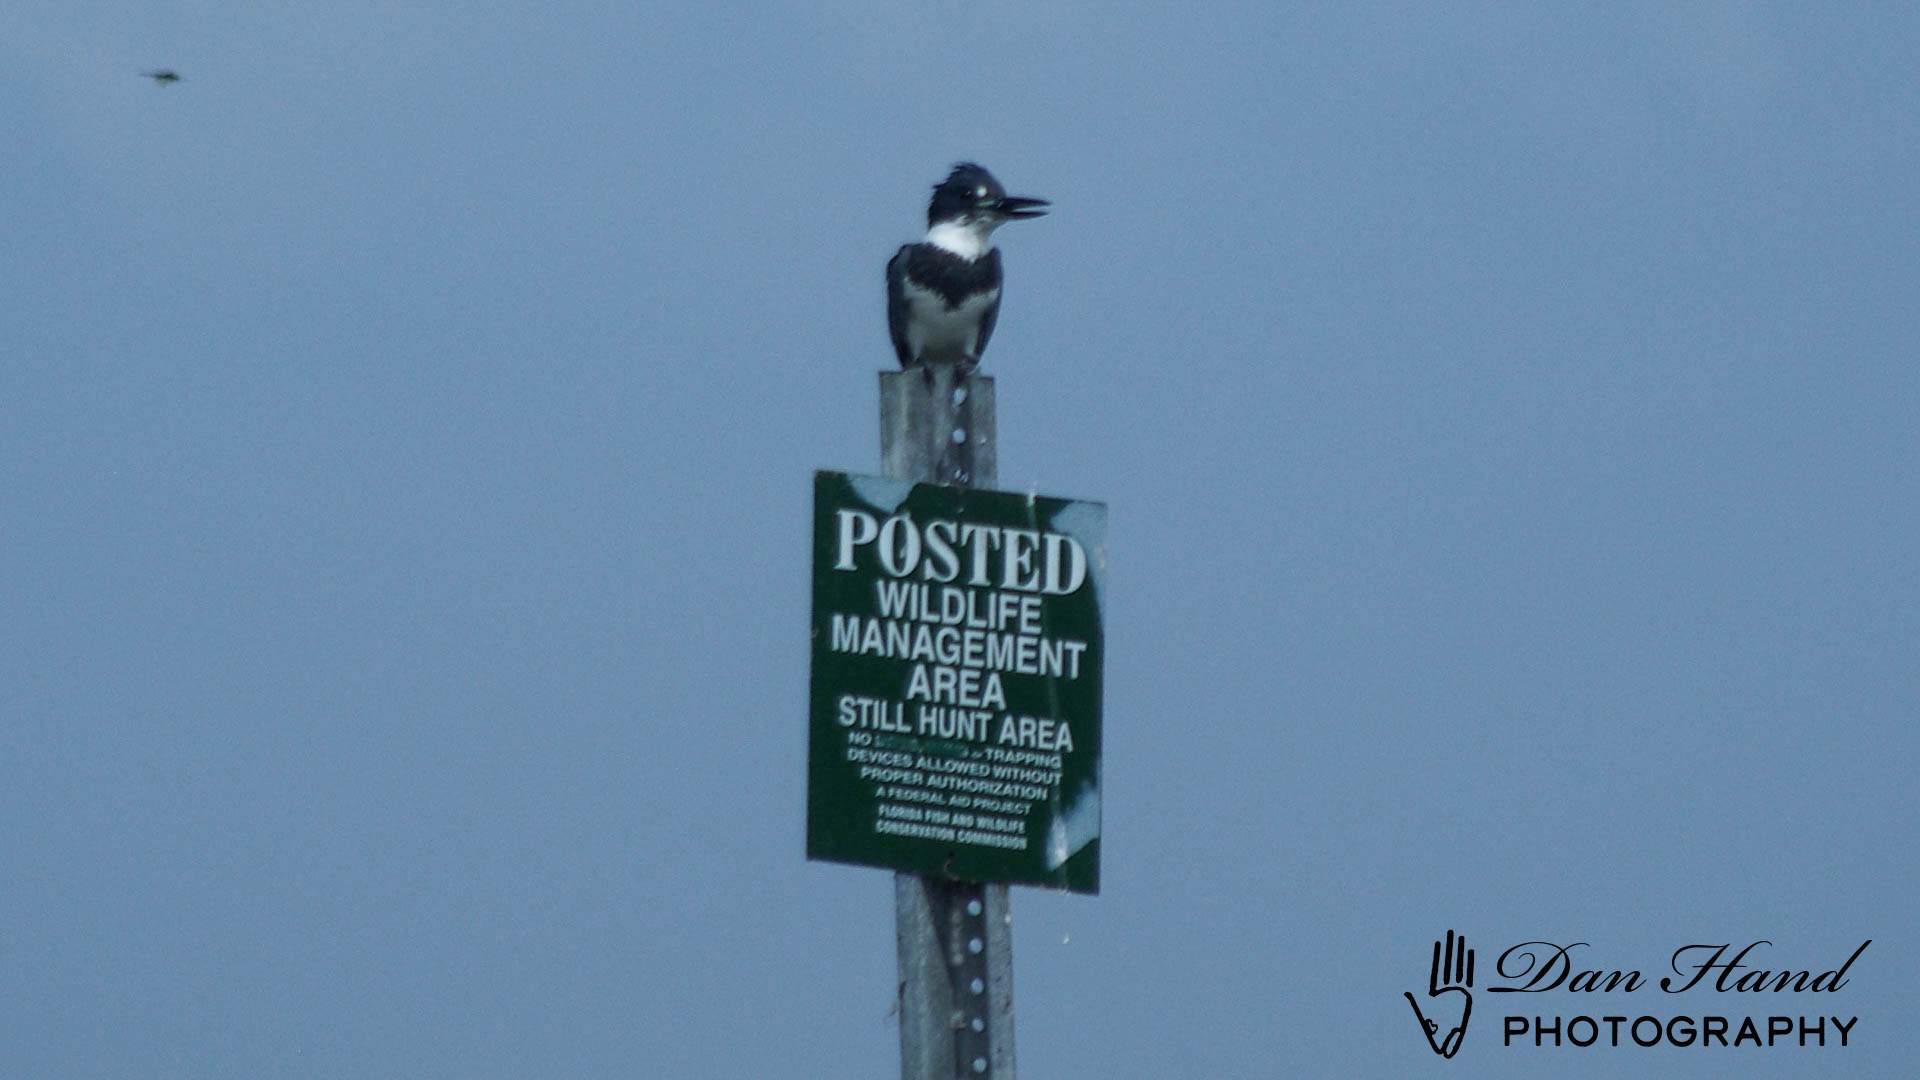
(955, 937)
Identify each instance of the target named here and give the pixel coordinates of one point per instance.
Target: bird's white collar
(969, 238)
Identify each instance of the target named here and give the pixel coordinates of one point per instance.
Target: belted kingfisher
(943, 294)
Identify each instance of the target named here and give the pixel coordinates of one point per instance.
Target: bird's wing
(898, 309)
(992, 314)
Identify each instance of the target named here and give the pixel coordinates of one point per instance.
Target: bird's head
(971, 197)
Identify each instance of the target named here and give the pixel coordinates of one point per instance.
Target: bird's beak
(1014, 206)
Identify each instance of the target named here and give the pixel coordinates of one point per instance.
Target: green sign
(957, 657)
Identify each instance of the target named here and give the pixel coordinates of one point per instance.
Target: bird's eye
(980, 193)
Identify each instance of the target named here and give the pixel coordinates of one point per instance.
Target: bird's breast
(938, 329)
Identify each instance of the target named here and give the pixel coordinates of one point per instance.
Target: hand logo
(1451, 974)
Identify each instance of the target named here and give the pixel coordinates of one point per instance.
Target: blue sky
(1506, 416)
